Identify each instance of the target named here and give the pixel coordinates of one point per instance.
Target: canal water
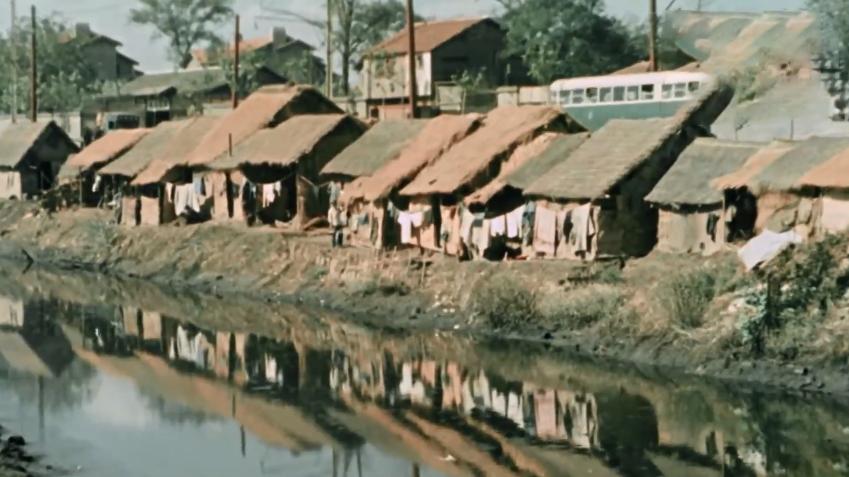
(119, 378)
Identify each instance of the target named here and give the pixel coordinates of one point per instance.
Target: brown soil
(408, 289)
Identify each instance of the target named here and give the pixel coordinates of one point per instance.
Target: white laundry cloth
(766, 246)
(514, 223)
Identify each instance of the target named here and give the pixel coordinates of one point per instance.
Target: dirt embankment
(702, 316)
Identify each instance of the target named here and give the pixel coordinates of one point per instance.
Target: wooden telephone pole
(328, 80)
(237, 40)
(411, 52)
(33, 72)
(12, 42)
(653, 35)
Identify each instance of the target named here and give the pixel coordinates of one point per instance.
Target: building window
(647, 92)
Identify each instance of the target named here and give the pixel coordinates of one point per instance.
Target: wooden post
(33, 72)
(328, 80)
(237, 42)
(411, 52)
(653, 35)
(12, 43)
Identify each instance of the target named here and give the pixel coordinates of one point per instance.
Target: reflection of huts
(690, 210)
(140, 205)
(266, 108)
(375, 195)
(31, 155)
(770, 185)
(433, 219)
(97, 154)
(284, 163)
(379, 145)
(173, 185)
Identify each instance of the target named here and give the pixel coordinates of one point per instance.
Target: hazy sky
(110, 17)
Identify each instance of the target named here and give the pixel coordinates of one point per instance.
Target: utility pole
(653, 35)
(13, 50)
(328, 54)
(236, 41)
(411, 52)
(33, 72)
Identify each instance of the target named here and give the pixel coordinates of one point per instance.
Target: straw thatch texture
(752, 167)
(560, 149)
(785, 173)
(381, 144)
(503, 130)
(107, 148)
(688, 182)
(282, 146)
(16, 140)
(437, 137)
(832, 174)
(606, 158)
(174, 153)
(140, 156)
(267, 107)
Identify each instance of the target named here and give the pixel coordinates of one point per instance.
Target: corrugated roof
(688, 182)
(785, 172)
(184, 82)
(437, 137)
(267, 107)
(17, 139)
(429, 36)
(503, 130)
(174, 153)
(145, 151)
(107, 148)
(606, 158)
(753, 166)
(284, 145)
(379, 145)
(832, 174)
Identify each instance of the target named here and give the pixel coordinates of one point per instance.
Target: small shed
(691, 215)
(97, 154)
(376, 195)
(381, 144)
(433, 218)
(284, 164)
(31, 155)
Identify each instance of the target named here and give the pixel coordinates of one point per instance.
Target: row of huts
(519, 181)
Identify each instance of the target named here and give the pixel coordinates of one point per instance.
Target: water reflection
(335, 400)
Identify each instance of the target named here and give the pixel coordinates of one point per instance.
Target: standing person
(336, 218)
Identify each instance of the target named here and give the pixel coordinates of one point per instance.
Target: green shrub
(583, 307)
(686, 296)
(505, 302)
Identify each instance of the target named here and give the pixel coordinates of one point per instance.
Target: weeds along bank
(786, 324)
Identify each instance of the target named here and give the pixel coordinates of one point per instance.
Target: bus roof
(630, 79)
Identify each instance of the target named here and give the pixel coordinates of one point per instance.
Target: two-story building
(446, 50)
(101, 52)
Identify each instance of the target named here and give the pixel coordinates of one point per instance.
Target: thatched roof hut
(753, 166)
(107, 148)
(163, 167)
(831, 174)
(379, 145)
(146, 150)
(18, 141)
(786, 172)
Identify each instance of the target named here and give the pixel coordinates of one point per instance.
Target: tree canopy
(568, 38)
(185, 23)
(833, 18)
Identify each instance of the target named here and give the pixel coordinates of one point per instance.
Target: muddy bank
(600, 311)
(15, 459)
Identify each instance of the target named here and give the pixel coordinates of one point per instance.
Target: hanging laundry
(545, 231)
(583, 228)
(498, 226)
(514, 223)
(408, 221)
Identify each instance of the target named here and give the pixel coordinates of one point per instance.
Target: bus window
(563, 96)
(633, 93)
(693, 86)
(680, 90)
(606, 95)
(592, 95)
(578, 96)
(647, 92)
(666, 92)
(619, 93)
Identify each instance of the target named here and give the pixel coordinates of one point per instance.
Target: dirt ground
(611, 310)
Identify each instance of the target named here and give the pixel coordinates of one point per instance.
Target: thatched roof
(753, 166)
(107, 148)
(688, 182)
(606, 158)
(145, 151)
(379, 145)
(16, 140)
(267, 107)
(437, 137)
(786, 172)
(832, 174)
(174, 153)
(503, 130)
(529, 160)
(284, 145)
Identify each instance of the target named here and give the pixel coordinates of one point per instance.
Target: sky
(110, 17)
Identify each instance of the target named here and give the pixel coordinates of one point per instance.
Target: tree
(185, 23)
(65, 78)
(833, 18)
(567, 38)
